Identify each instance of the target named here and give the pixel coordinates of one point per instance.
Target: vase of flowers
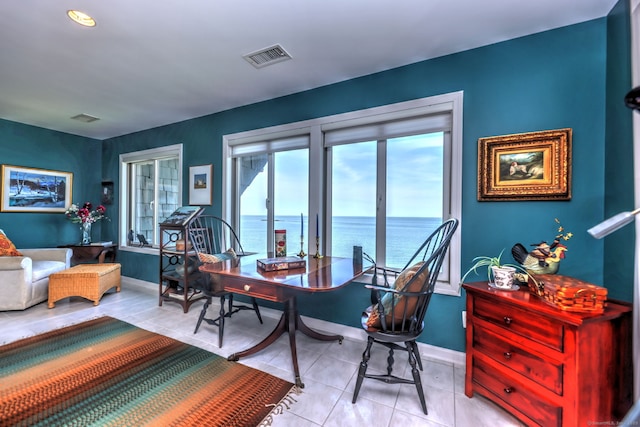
(85, 216)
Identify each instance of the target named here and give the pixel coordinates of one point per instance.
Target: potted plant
(502, 274)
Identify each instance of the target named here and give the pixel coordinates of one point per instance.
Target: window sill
(148, 250)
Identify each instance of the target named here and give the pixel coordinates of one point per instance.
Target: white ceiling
(153, 62)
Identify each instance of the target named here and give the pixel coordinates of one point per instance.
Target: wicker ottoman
(89, 281)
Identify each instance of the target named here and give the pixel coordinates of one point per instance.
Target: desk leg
(290, 321)
(302, 327)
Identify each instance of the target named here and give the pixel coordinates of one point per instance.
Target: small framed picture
(525, 166)
(107, 193)
(200, 185)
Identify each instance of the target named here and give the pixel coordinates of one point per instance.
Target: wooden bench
(89, 281)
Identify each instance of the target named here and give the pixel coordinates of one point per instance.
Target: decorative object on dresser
(543, 258)
(547, 366)
(506, 272)
(568, 293)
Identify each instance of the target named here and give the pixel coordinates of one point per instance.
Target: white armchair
(24, 280)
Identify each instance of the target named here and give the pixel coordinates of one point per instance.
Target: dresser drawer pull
(507, 355)
(509, 390)
(507, 320)
(247, 288)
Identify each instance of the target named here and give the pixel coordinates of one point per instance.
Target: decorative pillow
(213, 258)
(390, 300)
(7, 248)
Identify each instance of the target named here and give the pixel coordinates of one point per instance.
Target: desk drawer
(517, 395)
(537, 328)
(245, 287)
(547, 373)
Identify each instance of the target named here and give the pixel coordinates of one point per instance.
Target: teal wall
(29, 146)
(618, 247)
(549, 80)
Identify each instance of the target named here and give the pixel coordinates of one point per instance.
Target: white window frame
(139, 156)
(451, 102)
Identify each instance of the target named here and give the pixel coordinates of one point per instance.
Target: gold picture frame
(525, 166)
(35, 190)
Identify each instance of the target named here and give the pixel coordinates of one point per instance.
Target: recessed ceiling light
(81, 18)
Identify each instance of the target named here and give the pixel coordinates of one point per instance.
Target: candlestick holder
(301, 254)
(317, 255)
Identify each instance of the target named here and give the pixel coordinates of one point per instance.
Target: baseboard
(457, 358)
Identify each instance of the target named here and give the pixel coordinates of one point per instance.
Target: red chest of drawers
(545, 366)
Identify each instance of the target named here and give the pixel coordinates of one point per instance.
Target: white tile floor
(328, 370)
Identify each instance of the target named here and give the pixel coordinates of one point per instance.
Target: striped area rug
(106, 372)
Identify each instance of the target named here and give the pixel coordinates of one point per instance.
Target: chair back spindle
(210, 234)
(409, 317)
(212, 237)
(396, 319)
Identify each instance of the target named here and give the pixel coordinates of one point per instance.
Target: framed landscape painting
(525, 166)
(35, 190)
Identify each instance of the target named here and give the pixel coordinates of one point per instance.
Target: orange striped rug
(106, 372)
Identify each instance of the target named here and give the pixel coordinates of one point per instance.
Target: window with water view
(384, 185)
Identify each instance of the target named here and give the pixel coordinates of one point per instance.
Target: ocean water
(404, 235)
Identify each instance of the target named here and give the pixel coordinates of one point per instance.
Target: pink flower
(85, 214)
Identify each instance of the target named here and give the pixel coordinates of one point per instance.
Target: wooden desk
(91, 253)
(321, 275)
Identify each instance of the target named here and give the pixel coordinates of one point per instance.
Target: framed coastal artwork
(35, 190)
(200, 185)
(525, 166)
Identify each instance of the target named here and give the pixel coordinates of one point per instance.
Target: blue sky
(414, 187)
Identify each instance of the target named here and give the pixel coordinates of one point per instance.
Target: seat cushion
(229, 254)
(42, 269)
(397, 304)
(7, 248)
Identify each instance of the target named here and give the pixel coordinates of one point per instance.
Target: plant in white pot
(499, 274)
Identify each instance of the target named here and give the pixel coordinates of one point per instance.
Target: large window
(272, 191)
(387, 196)
(382, 178)
(151, 183)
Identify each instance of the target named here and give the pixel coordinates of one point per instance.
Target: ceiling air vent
(267, 56)
(85, 118)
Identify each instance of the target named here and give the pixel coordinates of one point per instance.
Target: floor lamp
(612, 224)
(606, 227)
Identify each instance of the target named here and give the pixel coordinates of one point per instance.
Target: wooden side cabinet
(546, 366)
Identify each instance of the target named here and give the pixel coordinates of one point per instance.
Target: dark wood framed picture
(107, 193)
(525, 166)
